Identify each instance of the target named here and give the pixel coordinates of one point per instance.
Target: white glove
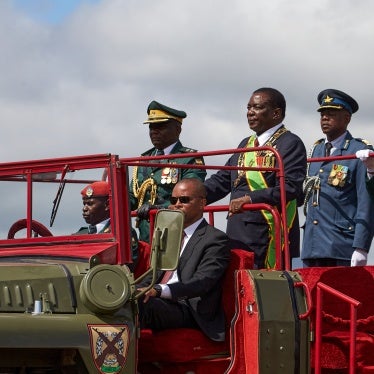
(359, 257)
(363, 155)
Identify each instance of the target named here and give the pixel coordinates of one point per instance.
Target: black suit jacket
(200, 270)
(249, 229)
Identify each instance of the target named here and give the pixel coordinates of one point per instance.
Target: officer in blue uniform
(151, 187)
(339, 211)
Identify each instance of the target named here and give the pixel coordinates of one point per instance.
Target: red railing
(280, 220)
(354, 304)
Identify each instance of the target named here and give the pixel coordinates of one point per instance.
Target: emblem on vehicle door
(109, 345)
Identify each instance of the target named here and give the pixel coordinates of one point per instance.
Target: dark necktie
(169, 273)
(92, 229)
(160, 152)
(256, 143)
(328, 147)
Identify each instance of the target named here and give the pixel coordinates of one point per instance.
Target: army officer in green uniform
(151, 187)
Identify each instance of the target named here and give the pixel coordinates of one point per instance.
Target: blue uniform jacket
(342, 219)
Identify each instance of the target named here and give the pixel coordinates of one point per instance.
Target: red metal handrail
(147, 161)
(354, 304)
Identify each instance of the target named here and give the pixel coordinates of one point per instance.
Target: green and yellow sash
(256, 181)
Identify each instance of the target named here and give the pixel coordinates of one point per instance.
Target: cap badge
(328, 99)
(89, 191)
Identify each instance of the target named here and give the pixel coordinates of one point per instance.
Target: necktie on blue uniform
(328, 147)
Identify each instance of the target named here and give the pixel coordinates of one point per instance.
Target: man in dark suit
(254, 230)
(151, 187)
(191, 297)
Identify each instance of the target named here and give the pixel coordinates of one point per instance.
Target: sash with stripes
(256, 181)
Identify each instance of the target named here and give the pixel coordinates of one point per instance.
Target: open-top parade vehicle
(68, 302)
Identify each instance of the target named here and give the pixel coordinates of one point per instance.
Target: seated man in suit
(191, 296)
(96, 212)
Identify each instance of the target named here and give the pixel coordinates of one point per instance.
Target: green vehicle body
(68, 302)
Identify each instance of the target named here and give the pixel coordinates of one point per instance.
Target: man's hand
(363, 155)
(359, 257)
(151, 293)
(237, 204)
(143, 211)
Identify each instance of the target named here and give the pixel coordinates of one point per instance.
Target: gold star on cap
(328, 99)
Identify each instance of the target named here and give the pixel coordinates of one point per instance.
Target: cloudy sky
(78, 75)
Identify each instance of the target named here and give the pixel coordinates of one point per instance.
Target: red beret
(96, 189)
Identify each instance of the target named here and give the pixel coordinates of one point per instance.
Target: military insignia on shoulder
(366, 142)
(199, 161)
(338, 175)
(189, 150)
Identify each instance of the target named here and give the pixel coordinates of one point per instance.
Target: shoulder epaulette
(187, 150)
(310, 153)
(366, 142)
(319, 141)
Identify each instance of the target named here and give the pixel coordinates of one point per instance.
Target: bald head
(189, 196)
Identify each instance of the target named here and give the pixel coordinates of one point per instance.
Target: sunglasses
(182, 199)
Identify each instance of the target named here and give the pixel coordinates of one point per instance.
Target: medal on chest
(338, 175)
(169, 175)
(265, 159)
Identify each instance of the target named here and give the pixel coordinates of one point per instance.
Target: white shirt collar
(191, 228)
(168, 149)
(101, 225)
(265, 136)
(338, 141)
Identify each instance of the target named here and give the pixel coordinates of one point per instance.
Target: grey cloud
(82, 86)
